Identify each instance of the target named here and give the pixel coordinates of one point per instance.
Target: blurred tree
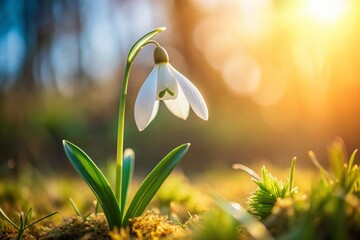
(27, 33)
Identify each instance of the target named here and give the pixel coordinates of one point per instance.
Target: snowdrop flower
(167, 84)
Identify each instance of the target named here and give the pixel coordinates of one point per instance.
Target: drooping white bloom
(167, 84)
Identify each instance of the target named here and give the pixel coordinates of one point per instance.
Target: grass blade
(139, 44)
(96, 181)
(75, 207)
(39, 220)
(2, 213)
(27, 217)
(86, 217)
(21, 223)
(252, 225)
(96, 208)
(292, 173)
(153, 182)
(319, 166)
(252, 173)
(351, 160)
(128, 169)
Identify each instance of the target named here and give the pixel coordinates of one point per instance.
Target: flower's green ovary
(162, 93)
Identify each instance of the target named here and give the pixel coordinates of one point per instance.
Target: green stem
(19, 235)
(146, 39)
(120, 136)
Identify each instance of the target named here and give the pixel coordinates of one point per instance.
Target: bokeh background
(280, 77)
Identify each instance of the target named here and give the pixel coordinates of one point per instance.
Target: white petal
(166, 80)
(155, 110)
(192, 94)
(180, 106)
(146, 104)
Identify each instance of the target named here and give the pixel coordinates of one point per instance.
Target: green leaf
(153, 182)
(252, 173)
(2, 213)
(292, 173)
(28, 217)
(96, 208)
(39, 220)
(351, 160)
(319, 166)
(86, 217)
(21, 222)
(96, 181)
(127, 172)
(75, 207)
(140, 43)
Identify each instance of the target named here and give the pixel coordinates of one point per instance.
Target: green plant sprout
(76, 209)
(263, 199)
(344, 174)
(96, 203)
(24, 221)
(178, 93)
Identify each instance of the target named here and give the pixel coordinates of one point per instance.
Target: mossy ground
(183, 209)
(151, 225)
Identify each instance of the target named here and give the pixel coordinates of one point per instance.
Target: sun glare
(327, 11)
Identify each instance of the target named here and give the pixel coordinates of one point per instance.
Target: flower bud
(160, 55)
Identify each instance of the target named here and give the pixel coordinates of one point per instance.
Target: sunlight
(327, 11)
(242, 74)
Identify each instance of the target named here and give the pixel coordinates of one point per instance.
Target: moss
(154, 226)
(150, 226)
(10, 234)
(179, 197)
(13, 235)
(76, 228)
